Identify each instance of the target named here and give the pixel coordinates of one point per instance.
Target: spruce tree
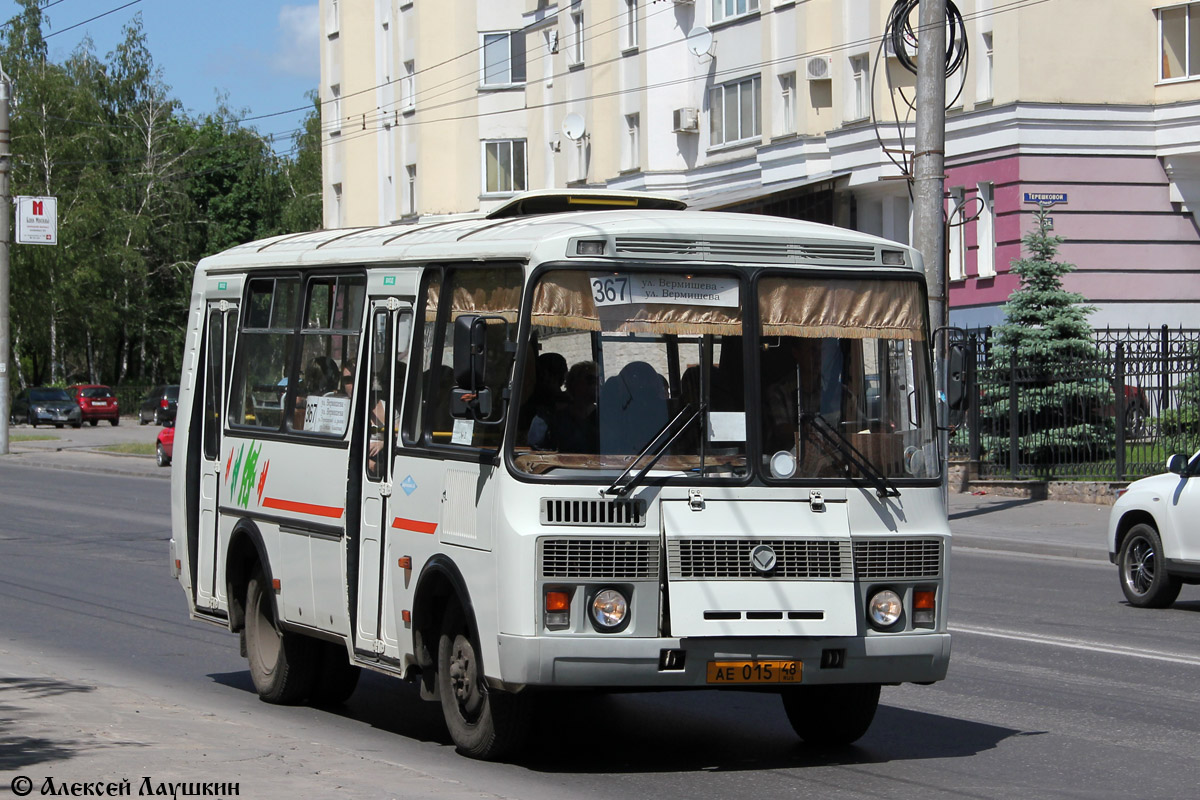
(1064, 397)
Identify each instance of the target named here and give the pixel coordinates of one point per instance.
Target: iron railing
(1116, 416)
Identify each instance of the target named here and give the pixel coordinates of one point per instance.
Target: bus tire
(337, 678)
(833, 715)
(282, 665)
(484, 723)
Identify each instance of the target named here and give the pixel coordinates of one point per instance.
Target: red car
(165, 446)
(96, 402)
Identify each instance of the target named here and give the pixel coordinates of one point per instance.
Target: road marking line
(1079, 644)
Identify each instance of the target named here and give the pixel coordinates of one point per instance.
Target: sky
(262, 53)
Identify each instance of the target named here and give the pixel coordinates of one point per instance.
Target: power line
(92, 19)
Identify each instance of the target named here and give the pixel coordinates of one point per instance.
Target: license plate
(754, 671)
(99, 402)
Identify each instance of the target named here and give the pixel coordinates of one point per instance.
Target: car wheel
(1144, 578)
(161, 457)
(77, 424)
(93, 422)
(336, 679)
(157, 417)
(831, 716)
(1135, 421)
(115, 421)
(58, 425)
(31, 419)
(282, 664)
(484, 723)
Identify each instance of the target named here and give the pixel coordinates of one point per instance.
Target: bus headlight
(884, 609)
(610, 610)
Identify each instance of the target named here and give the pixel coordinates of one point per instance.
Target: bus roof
(655, 234)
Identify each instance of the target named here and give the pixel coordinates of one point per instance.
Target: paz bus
(587, 440)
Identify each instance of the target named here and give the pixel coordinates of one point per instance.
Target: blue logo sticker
(408, 485)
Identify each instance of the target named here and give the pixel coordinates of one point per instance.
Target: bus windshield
(834, 386)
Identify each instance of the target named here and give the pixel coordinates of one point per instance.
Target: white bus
(588, 440)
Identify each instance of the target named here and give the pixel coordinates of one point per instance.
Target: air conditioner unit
(889, 48)
(685, 120)
(819, 68)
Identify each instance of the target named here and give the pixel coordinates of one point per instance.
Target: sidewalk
(72, 454)
(1035, 527)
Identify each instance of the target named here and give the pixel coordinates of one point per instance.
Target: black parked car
(44, 405)
(159, 405)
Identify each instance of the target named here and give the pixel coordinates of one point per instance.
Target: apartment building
(795, 108)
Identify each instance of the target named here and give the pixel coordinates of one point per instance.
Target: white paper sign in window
(326, 414)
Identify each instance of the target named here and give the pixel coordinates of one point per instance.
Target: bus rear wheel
(484, 723)
(833, 715)
(283, 665)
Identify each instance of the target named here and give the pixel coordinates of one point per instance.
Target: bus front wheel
(484, 723)
(283, 665)
(831, 715)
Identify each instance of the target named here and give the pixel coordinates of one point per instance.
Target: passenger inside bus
(633, 408)
(570, 426)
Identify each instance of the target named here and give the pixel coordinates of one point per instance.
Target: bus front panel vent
(594, 512)
(891, 559)
(599, 559)
(733, 559)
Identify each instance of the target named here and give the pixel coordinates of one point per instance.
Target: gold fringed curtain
(840, 309)
(564, 300)
(497, 293)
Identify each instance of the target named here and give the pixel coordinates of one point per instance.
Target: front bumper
(52, 416)
(629, 662)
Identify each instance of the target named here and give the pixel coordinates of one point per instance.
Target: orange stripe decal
(333, 512)
(414, 525)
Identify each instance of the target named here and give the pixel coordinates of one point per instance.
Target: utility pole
(929, 157)
(5, 242)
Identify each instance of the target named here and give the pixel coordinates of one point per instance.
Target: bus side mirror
(956, 377)
(470, 399)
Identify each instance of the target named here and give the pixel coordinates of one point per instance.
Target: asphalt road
(1056, 687)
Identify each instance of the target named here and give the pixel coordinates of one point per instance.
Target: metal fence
(1114, 417)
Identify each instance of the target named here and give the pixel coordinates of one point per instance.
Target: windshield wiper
(851, 454)
(658, 445)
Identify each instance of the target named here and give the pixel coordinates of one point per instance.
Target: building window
(956, 261)
(503, 58)
(734, 113)
(410, 189)
(985, 231)
(629, 25)
(408, 86)
(632, 141)
(338, 219)
(1179, 41)
(575, 54)
(335, 110)
(504, 166)
(787, 104)
(727, 9)
(860, 87)
(333, 20)
(985, 68)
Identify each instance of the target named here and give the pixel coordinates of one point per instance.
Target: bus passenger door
(387, 359)
(220, 328)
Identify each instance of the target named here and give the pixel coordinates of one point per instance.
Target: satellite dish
(573, 127)
(700, 41)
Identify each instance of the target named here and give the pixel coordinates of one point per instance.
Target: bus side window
(424, 326)
(493, 291)
(332, 322)
(264, 353)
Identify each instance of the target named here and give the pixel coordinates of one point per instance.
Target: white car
(1154, 534)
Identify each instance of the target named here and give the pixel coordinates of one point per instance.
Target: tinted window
(96, 391)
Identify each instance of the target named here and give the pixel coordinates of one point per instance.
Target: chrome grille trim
(729, 559)
(598, 558)
(593, 512)
(890, 559)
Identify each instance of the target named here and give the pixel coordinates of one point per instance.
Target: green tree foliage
(1064, 396)
(143, 193)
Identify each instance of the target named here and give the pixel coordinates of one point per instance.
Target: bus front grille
(598, 558)
(594, 512)
(795, 559)
(887, 559)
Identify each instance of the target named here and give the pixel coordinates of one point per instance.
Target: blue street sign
(1045, 198)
